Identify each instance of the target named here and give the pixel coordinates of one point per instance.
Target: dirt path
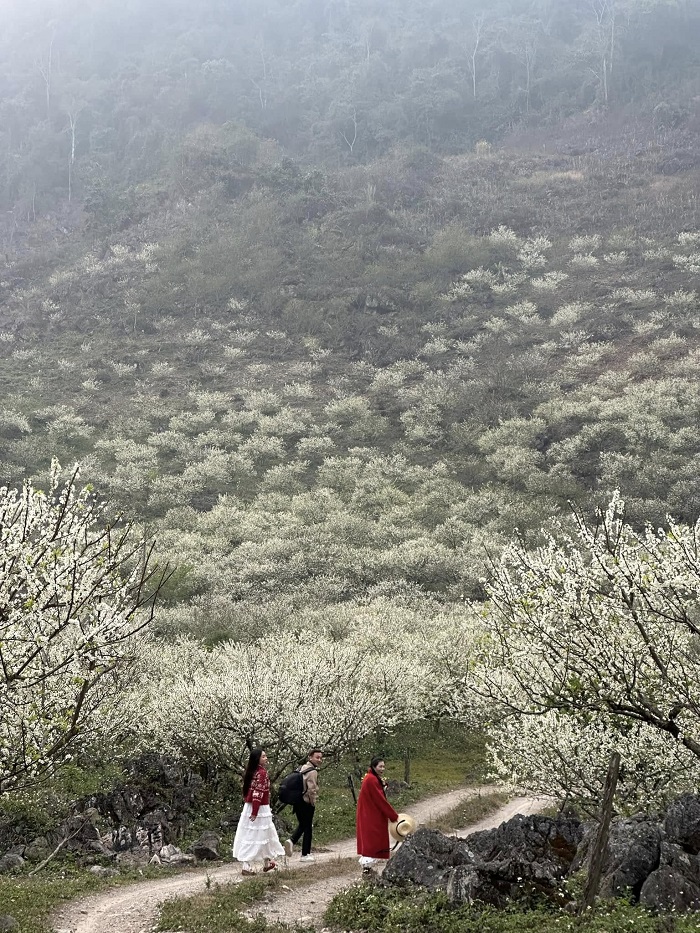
(134, 909)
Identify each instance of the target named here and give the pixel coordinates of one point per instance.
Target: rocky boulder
(668, 890)
(171, 855)
(533, 848)
(632, 853)
(426, 859)
(653, 858)
(37, 849)
(206, 848)
(526, 853)
(10, 864)
(682, 823)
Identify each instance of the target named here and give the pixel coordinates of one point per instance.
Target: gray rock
(468, 884)
(171, 855)
(426, 859)
(682, 862)
(37, 849)
(10, 863)
(533, 852)
(8, 923)
(682, 823)
(666, 889)
(137, 858)
(532, 848)
(654, 858)
(633, 853)
(206, 848)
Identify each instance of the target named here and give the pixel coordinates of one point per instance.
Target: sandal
(271, 866)
(248, 872)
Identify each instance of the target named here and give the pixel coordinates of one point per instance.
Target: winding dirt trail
(135, 909)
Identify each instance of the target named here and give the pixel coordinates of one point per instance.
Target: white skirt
(256, 839)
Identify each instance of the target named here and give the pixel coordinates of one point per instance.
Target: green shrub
(371, 909)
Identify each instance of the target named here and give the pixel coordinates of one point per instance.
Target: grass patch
(469, 811)
(31, 900)
(374, 910)
(220, 909)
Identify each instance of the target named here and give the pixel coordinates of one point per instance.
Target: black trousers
(304, 812)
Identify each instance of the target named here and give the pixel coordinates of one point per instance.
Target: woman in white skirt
(256, 836)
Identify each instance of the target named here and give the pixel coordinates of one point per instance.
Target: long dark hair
(251, 768)
(373, 768)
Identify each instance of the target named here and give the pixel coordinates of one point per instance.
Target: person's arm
(380, 801)
(311, 786)
(259, 787)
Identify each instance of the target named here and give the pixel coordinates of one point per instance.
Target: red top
(259, 791)
(373, 815)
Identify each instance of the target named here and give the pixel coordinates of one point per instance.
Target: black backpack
(292, 787)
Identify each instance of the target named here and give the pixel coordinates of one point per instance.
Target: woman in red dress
(373, 815)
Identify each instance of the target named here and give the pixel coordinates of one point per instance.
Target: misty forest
(349, 357)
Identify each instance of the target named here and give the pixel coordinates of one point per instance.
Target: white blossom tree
(287, 692)
(73, 594)
(596, 632)
(566, 755)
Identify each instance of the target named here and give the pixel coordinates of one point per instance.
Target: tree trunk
(597, 859)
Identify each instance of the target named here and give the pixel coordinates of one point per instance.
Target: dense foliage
(593, 648)
(377, 910)
(333, 297)
(74, 593)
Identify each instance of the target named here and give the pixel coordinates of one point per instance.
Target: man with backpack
(305, 807)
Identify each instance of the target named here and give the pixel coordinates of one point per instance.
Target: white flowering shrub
(565, 755)
(681, 299)
(549, 282)
(285, 691)
(689, 264)
(480, 276)
(315, 446)
(436, 347)
(147, 253)
(196, 337)
(524, 311)
(603, 627)
(504, 236)
(585, 244)
(122, 369)
(532, 253)
(73, 595)
(237, 304)
(617, 259)
(245, 337)
(510, 282)
(583, 261)
(569, 313)
(656, 254)
(25, 356)
(234, 353)
(14, 422)
(634, 295)
(625, 239)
